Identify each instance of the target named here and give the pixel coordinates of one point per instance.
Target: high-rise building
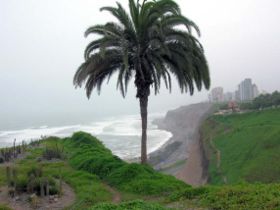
(245, 90)
(229, 96)
(217, 95)
(237, 95)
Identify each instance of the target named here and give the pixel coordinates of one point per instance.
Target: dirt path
(67, 199)
(192, 172)
(116, 195)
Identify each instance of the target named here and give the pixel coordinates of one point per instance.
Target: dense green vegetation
(88, 154)
(3, 207)
(233, 197)
(88, 187)
(131, 205)
(263, 101)
(243, 147)
(243, 151)
(85, 164)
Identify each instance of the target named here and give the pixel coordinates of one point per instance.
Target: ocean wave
(122, 135)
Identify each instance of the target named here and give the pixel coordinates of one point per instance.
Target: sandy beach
(183, 156)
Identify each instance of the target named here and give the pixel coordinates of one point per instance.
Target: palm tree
(149, 44)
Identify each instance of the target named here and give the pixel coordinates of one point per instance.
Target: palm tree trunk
(144, 116)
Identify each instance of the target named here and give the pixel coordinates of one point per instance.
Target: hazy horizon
(42, 45)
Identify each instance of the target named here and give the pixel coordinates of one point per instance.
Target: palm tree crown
(149, 44)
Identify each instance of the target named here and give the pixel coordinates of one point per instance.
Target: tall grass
(89, 154)
(249, 147)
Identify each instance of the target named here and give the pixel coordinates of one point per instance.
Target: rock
(56, 200)
(17, 198)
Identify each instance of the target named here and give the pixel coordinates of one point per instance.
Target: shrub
(53, 152)
(89, 154)
(3, 207)
(35, 170)
(188, 193)
(234, 197)
(21, 184)
(131, 205)
(1, 160)
(244, 197)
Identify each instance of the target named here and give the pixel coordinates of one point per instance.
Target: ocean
(121, 134)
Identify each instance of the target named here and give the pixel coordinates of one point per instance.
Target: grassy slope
(249, 146)
(90, 166)
(88, 187)
(89, 154)
(232, 197)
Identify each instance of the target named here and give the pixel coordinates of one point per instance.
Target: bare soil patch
(192, 172)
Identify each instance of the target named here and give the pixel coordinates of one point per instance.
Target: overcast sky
(42, 43)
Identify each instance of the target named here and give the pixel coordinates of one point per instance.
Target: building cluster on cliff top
(245, 92)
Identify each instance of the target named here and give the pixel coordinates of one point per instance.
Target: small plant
(33, 199)
(11, 176)
(1, 159)
(33, 182)
(53, 152)
(37, 171)
(21, 184)
(35, 143)
(39, 184)
(3, 207)
(7, 154)
(60, 183)
(132, 205)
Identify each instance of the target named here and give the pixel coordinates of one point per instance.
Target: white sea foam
(122, 134)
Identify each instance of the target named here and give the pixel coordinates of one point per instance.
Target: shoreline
(120, 135)
(182, 155)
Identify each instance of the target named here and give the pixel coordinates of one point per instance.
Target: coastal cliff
(183, 154)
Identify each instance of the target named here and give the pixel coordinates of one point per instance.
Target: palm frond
(146, 45)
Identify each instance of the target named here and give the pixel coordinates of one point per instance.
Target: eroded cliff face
(184, 124)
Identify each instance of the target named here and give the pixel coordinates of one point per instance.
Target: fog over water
(42, 45)
(120, 134)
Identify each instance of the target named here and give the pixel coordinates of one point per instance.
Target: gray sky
(42, 43)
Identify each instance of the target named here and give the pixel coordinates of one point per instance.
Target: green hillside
(102, 181)
(88, 154)
(243, 147)
(95, 174)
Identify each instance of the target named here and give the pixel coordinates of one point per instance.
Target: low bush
(89, 154)
(53, 152)
(131, 205)
(233, 197)
(1, 160)
(21, 184)
(3, 207)
(189, 193)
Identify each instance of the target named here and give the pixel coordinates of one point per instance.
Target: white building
(229, 96)
(217, 95)
(246, 91)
